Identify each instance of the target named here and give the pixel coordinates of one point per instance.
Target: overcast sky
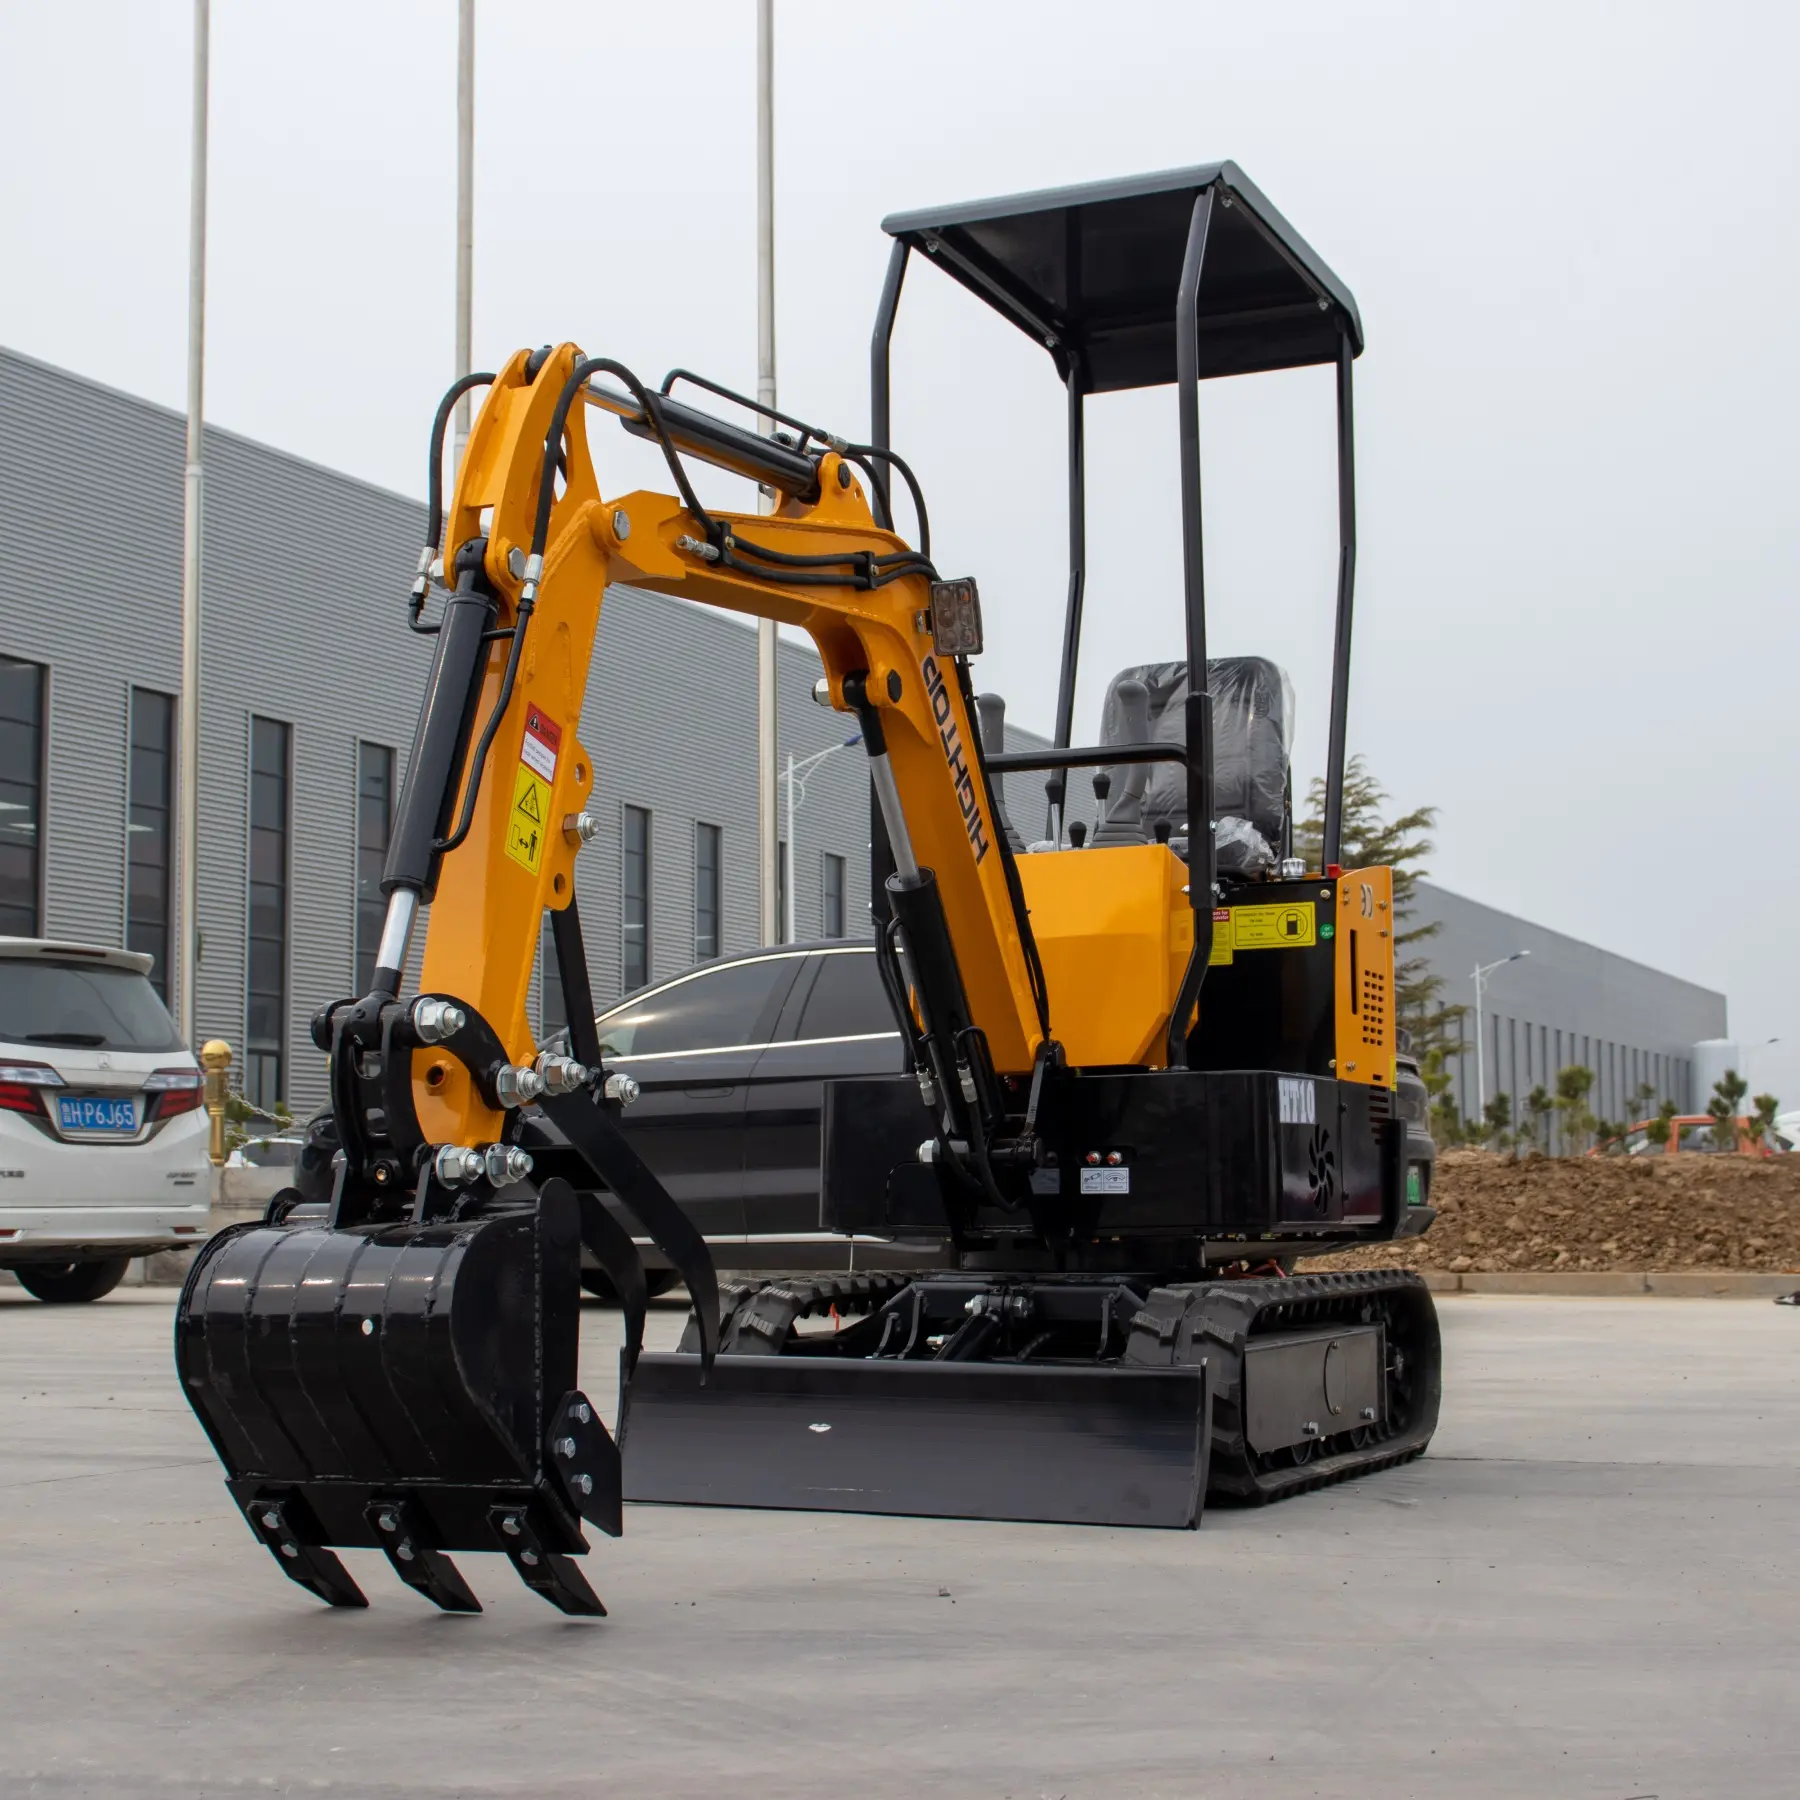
(1570, 229)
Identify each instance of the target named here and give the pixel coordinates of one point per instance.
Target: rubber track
(1216, 1319)
(755, 1316)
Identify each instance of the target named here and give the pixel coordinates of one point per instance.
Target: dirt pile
(1592, 1212)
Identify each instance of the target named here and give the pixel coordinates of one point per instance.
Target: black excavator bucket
(1057, 1445)
(408, 1388)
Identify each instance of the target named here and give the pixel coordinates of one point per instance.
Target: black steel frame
(1199, 734)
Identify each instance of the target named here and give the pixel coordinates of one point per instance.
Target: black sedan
(731, 1059)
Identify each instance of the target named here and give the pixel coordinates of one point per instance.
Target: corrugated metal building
(1565, 1003)
(311, 680)
(311, 690)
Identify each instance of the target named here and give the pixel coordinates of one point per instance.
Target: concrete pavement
(1588, 1589)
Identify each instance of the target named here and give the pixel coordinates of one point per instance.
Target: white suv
(102, 1139)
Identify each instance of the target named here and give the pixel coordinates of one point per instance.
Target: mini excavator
(1145, 1072)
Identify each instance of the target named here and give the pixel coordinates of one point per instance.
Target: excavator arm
(391, 1363)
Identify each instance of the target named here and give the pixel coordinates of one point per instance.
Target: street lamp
(796, 797)
(1482, 972)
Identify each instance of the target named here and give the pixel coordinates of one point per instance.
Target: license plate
(97, 1115)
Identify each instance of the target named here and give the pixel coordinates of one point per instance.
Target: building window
(635, 959)
(149, 831)
(553, 1011)
(265, 1009)
(706, 892)
(832, 891)
(374, 827)
(21, 795)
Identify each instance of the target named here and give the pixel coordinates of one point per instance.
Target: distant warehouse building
(311, 687)
(1566, 1003)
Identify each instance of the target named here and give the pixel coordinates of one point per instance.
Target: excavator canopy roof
(1093, 271)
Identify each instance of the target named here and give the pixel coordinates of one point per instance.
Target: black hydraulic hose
(860, 453)
(434, 496)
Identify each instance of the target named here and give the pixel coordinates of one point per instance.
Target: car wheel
(656, 1281)
(68, 1284)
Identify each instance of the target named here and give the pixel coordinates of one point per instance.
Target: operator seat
(1253, 710)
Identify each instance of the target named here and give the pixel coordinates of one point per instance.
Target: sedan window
(848, 999)
(712, 1009)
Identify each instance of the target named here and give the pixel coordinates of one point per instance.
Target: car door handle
(710, 1093)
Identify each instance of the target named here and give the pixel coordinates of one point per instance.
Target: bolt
(584, 1412)
(404, 1550)
(621, 524)
(515, 561)
(272, 1520)
(622, 1088)
(456, 1163)
(581, 828)
(583, 1485)
(565, 1446)
(1368, 1412)
(388, 1522)
(517, 1086)
(290, 1549)
(436, 1020)
(510, 1526)
(843, 475)
(506, 1163)
(528, 1556)
(1311, 1428)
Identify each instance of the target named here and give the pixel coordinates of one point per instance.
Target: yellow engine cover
(1114, 930)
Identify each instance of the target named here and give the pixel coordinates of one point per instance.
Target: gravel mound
(1601, 1212)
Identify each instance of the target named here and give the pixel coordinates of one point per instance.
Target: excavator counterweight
(1145, 1071)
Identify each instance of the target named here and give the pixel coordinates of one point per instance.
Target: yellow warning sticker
(525, 824)
(1221, 937)
(1289, 927)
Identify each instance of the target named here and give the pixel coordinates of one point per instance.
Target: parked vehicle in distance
(260, 1167)
(102, 1140)
(731, 1058)
(1693, 1134)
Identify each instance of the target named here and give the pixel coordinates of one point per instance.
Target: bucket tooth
(314, 1568)
(397, 1529)
(544, 1571)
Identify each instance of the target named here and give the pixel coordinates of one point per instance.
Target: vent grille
(1373, 1009)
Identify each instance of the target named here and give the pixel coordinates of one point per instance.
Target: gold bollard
(215, 1059)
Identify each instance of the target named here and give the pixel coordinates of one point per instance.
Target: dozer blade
(403, 1387)
(958, 1440)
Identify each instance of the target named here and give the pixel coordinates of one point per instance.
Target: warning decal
(543, 740)
(1289, 927)
(525, 823)
(1221, 937)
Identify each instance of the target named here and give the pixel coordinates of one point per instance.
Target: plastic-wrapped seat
(1253, 711)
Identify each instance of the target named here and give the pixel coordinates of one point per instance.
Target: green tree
(1534, 1117)
(1372, 840)
(1724, 1108)
(1578, 1124)
(1762, 1117)
(1448, 1126)
(1658, 1129)
(1640, 1103)
(1495, 1128)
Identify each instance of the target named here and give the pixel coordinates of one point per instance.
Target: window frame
(627, 811)
(161, 968)
(828, 860)
(356, 896)
(41, 784)
(853, 1037)
(702, 832)
(253, 1053)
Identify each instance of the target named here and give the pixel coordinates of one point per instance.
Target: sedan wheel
(68, 1284)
